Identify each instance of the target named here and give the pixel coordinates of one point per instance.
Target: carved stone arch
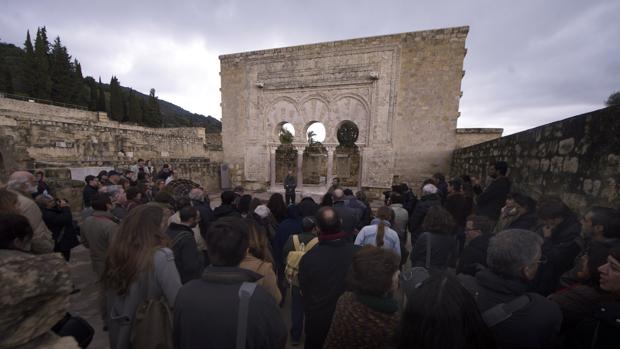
(314, 108)
(281, 110)
(350, 107)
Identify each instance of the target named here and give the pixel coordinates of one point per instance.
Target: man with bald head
(24, 185)
(322, 273)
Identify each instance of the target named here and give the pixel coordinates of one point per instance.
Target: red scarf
(332, 237)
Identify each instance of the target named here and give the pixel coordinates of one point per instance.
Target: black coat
(474, 255)
(87, 195)
(601, 330)
(187, 258)
(527, 221)
(350, 217)
(444, 251)
(206, 312)
(60, 222)
(490, 202)
(419, 213)
(290, 183)
(322, 273)
(534, 326)
(559, 251)
(225, 211)
(308, 207)
(206, 216)
(459, 207)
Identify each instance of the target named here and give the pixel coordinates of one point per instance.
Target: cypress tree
(28, 67)
(80, 94)
(116, 100)
(42, 83)
(152, 115)
(134, 112)
(101, 98)
(61, 73)
(92, 88)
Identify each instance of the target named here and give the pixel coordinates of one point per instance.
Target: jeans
(297, 314)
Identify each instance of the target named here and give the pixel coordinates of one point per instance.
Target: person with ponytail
(380, 233)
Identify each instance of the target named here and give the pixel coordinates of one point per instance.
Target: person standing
(490, 201)
(97, 231)
(290, 183)
(187, 256)
(57, 216)
(90, 189)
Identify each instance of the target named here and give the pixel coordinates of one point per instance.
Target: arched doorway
(286, 154)
(347, 155)
(314, 168)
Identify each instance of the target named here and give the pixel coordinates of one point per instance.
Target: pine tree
(92, 88)
(42, 83)
(28, 67)
(101, 98)
(61, 73)
(152, 115)
(134, 112)
(80, 94)
(116, 100)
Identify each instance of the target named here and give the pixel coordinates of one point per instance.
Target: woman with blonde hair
(260, 260)
(139, 269)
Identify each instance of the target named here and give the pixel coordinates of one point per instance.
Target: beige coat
(97, 231)
(269, 280)
(42, 241)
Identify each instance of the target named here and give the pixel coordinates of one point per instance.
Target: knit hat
(429, 189)
(262, 211)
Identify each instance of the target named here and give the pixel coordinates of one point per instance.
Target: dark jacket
(419, 213)
(288, 227)
(290, 183)
(206, 311)
(87, 195)
(459, 207)
(559, 251)
(187, 258)
(350, 217)
(576, 303)
(60, 222)
(490, 202)
(444, 251)
(600, 330)
(206, 216)
(474, 255)
(308, 207)
(322, 273)
(534, 326)
(225, 211)
(527, 221)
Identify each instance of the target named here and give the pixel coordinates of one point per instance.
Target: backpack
(294, 257)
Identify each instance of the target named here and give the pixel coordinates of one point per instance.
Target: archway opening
(286, 154)
(315, 133)
(286, 133)
(347, 155)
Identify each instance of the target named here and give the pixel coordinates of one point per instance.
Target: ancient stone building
(400, 93)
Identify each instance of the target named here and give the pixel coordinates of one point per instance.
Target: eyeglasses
(542, 260)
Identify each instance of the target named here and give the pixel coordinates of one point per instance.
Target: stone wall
(577, 159)
(466, 137)
(42, 136)
(401, 91)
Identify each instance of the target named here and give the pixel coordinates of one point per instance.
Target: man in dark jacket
(206, 310)
(90, 189)
(57, 216)
(290, 183)
(513, 259)
(474, 256)
(560, 230)
(350, 216)
(226, 208)
(322, 273)
(429, 198)
(291, 225)
(490, 201)
(188, 259)
(198, 200)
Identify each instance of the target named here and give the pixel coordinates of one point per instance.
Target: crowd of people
(464, 264)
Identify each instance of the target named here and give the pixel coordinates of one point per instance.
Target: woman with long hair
(139, 267)
(442, 314)
(259, 259)
(277, 206)
(379, 233)
(438, 234)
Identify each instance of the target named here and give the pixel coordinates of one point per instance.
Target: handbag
(75, 327)
(152, 323)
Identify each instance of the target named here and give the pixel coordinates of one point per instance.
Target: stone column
(272, 168)
(330, 164)
(360, 168)
(300, 162)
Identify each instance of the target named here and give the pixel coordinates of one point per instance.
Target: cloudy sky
(528, 62)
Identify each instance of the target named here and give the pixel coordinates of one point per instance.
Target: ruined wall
(577, 159)
(41, 136)
(466, 137)
(402, 91)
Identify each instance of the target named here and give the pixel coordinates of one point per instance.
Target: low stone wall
(577, 159)
(466, 137)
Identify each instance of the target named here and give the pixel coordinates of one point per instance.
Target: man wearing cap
(430, 197)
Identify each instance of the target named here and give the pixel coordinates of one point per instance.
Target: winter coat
(187, 258)
(401, 218)
(206, 312)
(419, 213)
(225, 211)
(576, 303)
(527, 221)
(559, 251)
(459, 207)
(87, 195)
(206, 216)
(322, 274)
(444, 250)
(536, 325)
(42, 237)
(600, 330)
(363, 322)
(490, 202)
(97, 231)
(60, 222)
(291, 225)
(474, 255)
(290, 183)
(368, 236)
(350, 217)
(268, 280)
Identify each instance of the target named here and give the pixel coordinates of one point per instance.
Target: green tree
(134, 112)
(81, 92)
(42, 82)
(613, 99)
(311, 136)
(28, 67)
(101, 98)
(152, 115)
(61, 73)
(286, 137)
(116, 100)
(92, 89)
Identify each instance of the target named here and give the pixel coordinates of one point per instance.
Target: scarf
(332, 237)
(387, 305)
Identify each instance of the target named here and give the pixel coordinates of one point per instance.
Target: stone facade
(40, 136)
(402, 91)
(466, 137)
(577, 159)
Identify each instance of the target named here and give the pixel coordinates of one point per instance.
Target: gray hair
(338, 194)
(511, 250)
(111, 190)
(18, 180)
(196, 194)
